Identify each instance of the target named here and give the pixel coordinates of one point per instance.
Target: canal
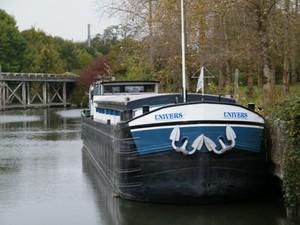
(46, 179)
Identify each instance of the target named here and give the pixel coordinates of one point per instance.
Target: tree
(42, 55)
(129, 60)
(12, 44)
(47, 54)
(84, 58)
(99, 68)
(68, 53)
(259, 37)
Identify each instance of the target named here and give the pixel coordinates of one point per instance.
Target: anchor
(212, 147)
(175, 137)
(202, 139)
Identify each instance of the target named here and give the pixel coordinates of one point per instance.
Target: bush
(289, 112)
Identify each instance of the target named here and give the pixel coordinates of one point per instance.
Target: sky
(65, 18)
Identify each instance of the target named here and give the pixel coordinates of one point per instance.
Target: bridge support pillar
(64, 94)
(28, 93)
(24, 94)
(48, 96)
(2, 95)
(45, 99)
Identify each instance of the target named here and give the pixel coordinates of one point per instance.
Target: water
(46, 179)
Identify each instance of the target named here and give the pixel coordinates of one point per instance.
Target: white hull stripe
(196, 125)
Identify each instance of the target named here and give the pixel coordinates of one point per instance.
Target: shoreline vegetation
(287, 116)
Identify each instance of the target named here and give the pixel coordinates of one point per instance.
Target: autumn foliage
(96, 70)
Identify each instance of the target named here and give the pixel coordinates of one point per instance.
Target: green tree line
(35, 51)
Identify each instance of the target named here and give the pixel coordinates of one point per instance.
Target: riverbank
(284, 148)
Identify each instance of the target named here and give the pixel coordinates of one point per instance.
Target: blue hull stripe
(157, 140)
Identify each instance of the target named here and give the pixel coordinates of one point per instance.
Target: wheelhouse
(125, 87)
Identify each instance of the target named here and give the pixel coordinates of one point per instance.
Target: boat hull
(202, 178)
(168, 176)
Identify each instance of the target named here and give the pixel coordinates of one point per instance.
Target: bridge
(25, 90)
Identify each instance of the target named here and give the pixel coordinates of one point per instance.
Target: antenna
(183, 52)
(89, 36)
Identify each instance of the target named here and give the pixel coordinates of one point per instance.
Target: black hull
(171, 177)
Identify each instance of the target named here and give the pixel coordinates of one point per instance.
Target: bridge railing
(6, 76)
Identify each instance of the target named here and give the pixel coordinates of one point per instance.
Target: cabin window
(108, 111)
(97, 90)
(109, 89)
(134, 89)
(149, 88)
(115, 89)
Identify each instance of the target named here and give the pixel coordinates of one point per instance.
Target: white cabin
(109, 99)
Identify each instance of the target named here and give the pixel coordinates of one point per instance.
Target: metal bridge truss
(40, 91)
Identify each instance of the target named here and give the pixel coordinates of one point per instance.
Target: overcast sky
(64, 18)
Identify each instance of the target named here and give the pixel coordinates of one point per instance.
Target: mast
(183, 52)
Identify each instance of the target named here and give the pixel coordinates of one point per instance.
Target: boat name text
(168, 116)
(235, 115)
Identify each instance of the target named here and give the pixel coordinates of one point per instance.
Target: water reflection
(17, 118)
(24, 134)
(268, 211)
(41, 180)
(42, 124)
(8, 166)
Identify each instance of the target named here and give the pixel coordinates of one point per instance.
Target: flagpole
(183, 52)
(203, 82)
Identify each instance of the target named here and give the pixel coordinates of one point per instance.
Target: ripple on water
(72, 113)
(17, 118)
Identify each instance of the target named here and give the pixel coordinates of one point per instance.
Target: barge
(154, 147)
